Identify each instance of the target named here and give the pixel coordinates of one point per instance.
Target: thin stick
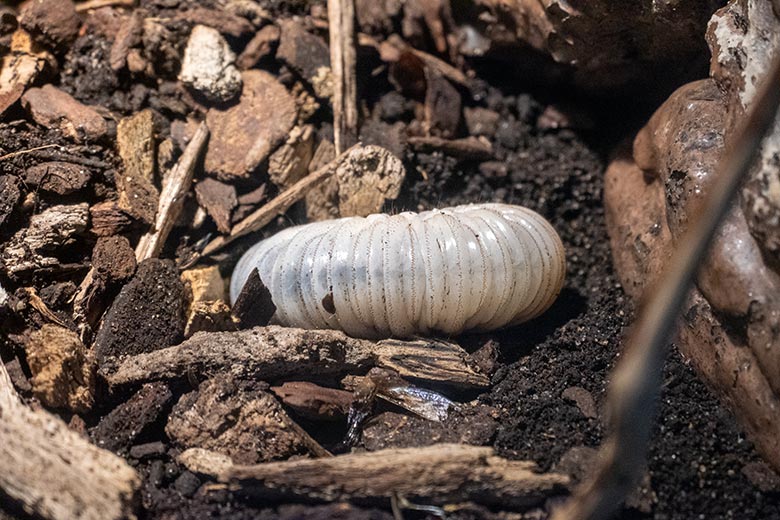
(281, 203)
(172, 197)
(29, 150)
(637, 378)
(341, 18)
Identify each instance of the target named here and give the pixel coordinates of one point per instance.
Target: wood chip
(9, 197)
(236, 419)
(62, 368)
(260, 46)
(367, 177)
(136, 142)
(273, 353)
(475, 148)
(306, 54)
(244, 135)
(20, 68)
(254, 306)
(107, 218)
(219, 200)
(322, 202)
(54, 23)
(58, 177)
(50, 107)
(30, 247)
(314, 402)
(54, 472)
(440, 474)
(290, 162)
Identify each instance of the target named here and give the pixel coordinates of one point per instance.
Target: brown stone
(63, 369)
(50, 107)
(58, 177)
(54, 23)
(244, 135)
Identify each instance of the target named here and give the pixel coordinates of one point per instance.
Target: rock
(583, 399)
(138, 194)
(762, 476)
(9, 197)
(481, 121)
(305, 53)
(147, 450)
(58, 177)
(260, 46)
(63, 369)
(54, 23)
(219, 200)
(367, 177)
(470, 424)
(236, 419)
(209, 67)
(113, 259)
(186, 484)
(148, 313)
(244, 135)
(50, 107)
(290, 162)
(30, 248)
(117, 430)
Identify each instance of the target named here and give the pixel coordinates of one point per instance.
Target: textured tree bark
(55, 473)
(439, 474)
(275, 353)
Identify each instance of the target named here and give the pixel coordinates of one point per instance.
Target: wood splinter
(341, 19)
(439, 474)
(276, 353)
(53, 472)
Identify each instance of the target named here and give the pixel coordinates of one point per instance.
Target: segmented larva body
(482, 267)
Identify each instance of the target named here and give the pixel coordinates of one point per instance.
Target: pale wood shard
(172, 197)
(281, 203)
(275, 353)
(438, 474)
(476, 148)
(341, 18)
(53, 472)
(135, 137)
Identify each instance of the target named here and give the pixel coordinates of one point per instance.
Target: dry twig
(341, 18)
(636, 379)
(281, 203)
(22, 152)
(439, 474)
(172, 197)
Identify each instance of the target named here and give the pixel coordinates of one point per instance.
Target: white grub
(473, 267)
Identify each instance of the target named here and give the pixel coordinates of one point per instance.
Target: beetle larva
(480, 267)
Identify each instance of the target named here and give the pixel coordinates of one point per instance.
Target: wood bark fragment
(172, 197)
(438, 474)
(281, 203)
(55, 473)
(135, 137)
(341, 18)
(477, 148)
(274, 353)
(313, 401)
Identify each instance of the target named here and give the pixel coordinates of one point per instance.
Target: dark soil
(699, 460)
